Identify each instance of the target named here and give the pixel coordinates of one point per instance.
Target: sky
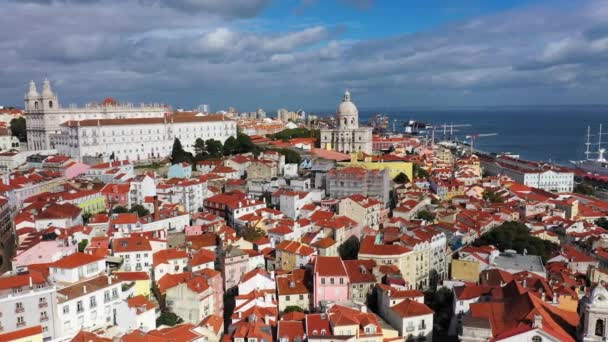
(303, 54)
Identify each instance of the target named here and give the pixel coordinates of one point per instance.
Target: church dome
(346, 107)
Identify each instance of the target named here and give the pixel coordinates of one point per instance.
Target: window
(66, 310)
(322, 281)
(331, 281)
(599, 327)
(93, 301)
(20, 321)
(287, 298)
(323, 332)
(79, 306)
(537, 339)
(341, 281)
(19, 307)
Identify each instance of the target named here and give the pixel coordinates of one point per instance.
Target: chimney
(84, 289)
(364, 308)
(538, 322)
(31, 282)
(109, 280)
(156, 210)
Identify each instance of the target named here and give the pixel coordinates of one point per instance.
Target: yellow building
(140, 281)
(398, 255)
(465, 270)
(395, 167)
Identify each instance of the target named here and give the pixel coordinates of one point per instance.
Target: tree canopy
(419, 172)
(492, 197)
(291, 156)
(18, 128)
(516, 236)
(401, 178)
(425, 215)
(349, 249)
(140, 210)
(291, 133)
(178, 154)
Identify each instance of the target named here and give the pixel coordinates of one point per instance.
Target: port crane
(474, 137)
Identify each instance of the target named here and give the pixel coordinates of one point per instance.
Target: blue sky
(304, 53)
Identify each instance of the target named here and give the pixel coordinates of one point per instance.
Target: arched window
(345, 121)
(35, 104)
(50, 104)
(599, 327)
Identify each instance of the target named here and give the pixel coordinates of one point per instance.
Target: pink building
(215, 281)
(330, 279)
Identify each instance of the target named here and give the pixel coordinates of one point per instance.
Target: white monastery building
(111, 130)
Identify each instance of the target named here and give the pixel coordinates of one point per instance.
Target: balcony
(20, 324)
(19, 310)
(422, 327)
(409, 328)
(44, 319)
(43, 305)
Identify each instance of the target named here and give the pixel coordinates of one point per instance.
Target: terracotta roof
(360, 271)
(294, 283)
(290, 330)
(10, 282)
(131, 244)
(141, 304)
(131, 276)
(202, 256)
(145, 121)
(329, 266)
(164, 256)
(411, 308)
(85, 336)
(21, 334)
(83, 288)
(76, 260)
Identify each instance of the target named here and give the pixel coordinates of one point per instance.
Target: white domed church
(348, 137)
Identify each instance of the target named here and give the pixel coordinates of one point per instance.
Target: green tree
(516, 236)
(230, 146)
(584, 190)
(214, 148)
(291, 156)
(251, 234)
(119, 209)
(419, 172)
(349, 249)
(82, 245)
(18, 128)
(86, 217)
(425, 215)
(245, 145)
(140, 210)
(178, 154)
(602, 222)
(168, 318)
(293, 308)
(199, 147)
(401, 178)
(492, 197)
(440, 301)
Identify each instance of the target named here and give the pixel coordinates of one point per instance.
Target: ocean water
(556, 134)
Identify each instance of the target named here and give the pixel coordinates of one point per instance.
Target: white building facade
(44, 114)
(139, 138)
